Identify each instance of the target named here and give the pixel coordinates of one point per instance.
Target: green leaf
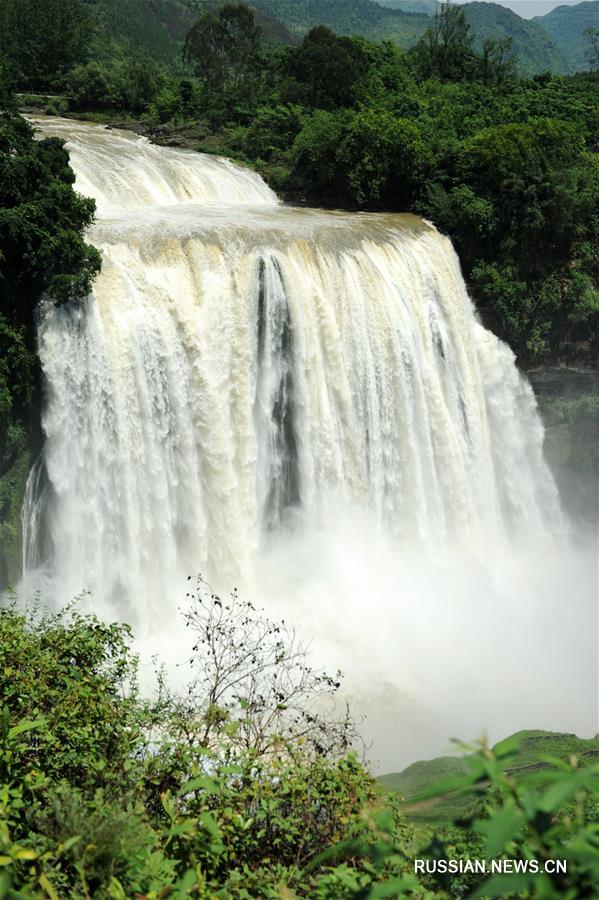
(44, 882)
(508, 747)
(503, 827)
(208, 822)
(24, 853)
(202, 782)
(187, 826)
(568, 785)
(187, 881)
(27, 725)
(70, 842)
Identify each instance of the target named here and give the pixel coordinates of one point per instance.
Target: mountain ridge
(566, 25)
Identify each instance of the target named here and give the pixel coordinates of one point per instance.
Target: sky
(529, 8)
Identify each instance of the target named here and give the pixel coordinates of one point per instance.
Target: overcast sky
(529, 8)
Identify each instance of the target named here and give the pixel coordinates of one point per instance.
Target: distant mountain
(566, 25)
(534, 48)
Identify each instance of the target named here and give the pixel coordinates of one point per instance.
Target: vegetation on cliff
(42, 255)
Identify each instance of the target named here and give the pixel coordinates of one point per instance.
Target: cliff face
(569, 404)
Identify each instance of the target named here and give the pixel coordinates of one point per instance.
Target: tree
(314, 154)
(252, 683)
(445, 50)
(223, 47)
(496, 63)
(384, 159)
(524, 195)
(72, 678)
(328, 66)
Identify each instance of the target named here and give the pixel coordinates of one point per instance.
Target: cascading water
(245, 373)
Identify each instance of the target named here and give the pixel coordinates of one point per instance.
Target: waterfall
(243, 367)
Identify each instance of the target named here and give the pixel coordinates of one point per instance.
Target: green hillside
(155, 27)
(420, 6)
(534, 748)
(362, 17)
(158, 27)
(535, 48)
(566, 25)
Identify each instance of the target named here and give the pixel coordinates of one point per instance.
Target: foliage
(105, 794)
(447, 51)
(44, 40)
(531, 749)
(528, 186)
(548, 815)
(131, 84)
(328, 68)
(446, 48)
(538, 47)
(383, 157)
(365, 18)
(223, 47)
(125, 28)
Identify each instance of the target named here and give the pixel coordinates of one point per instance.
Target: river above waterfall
(304, 405)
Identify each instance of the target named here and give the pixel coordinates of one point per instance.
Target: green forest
(239, 789)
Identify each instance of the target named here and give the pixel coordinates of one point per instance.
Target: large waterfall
(246, 374)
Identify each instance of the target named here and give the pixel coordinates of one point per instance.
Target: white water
(302, 404)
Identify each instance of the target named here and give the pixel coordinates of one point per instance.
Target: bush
(132, 84)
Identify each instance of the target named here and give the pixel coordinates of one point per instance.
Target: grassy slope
(534, 747)
(566, 25)
(535, 49)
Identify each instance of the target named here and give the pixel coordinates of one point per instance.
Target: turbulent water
(246, 377)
